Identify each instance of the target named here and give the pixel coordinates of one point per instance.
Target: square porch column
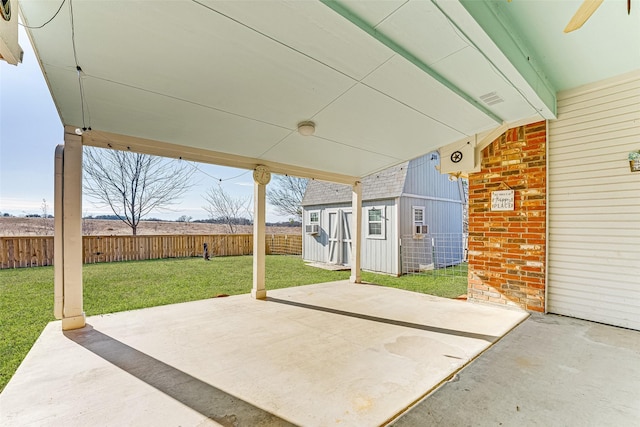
(259, 248)
(68, 304)
(356, 233)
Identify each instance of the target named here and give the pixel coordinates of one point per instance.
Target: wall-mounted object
(459, 157)
(634, 161)
(10, 51)
(503, 199)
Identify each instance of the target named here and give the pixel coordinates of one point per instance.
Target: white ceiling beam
(115, 141)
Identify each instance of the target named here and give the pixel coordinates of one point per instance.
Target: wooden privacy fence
(36, 251)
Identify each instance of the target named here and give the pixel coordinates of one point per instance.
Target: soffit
(607, 45)
(237, 77)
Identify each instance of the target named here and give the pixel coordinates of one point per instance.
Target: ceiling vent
(491, 98)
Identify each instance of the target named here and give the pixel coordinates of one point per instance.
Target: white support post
(340, 218)
(259, 248)
(356, 235)
(58, 259)
(68, 233)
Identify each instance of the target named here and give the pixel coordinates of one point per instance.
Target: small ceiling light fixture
(306, 128)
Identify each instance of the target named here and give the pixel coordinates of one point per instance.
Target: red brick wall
(507, 249)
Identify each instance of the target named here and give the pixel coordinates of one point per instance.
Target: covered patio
(325, 90)
(343, 354)
(236, 84)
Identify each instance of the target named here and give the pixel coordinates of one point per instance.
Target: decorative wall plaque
(502, 200)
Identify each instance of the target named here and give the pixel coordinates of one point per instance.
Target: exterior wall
(315, 248)
(379, 255)
(507, 249)
(441, 216)
(424, 179)
(416, 183)
(445, 239)
(426, 187)
(594, 203)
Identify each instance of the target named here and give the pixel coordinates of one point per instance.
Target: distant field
(95, 227)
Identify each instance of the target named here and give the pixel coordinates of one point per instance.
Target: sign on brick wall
(502, 200)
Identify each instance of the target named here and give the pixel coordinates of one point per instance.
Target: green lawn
(26, 295)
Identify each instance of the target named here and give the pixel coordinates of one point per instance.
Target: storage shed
(410, 204)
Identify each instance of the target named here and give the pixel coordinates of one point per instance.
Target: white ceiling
(607, 45)
(236, 77)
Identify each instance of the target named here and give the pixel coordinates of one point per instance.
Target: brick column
(507, 249)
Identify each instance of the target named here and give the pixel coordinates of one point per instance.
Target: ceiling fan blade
(583, 13)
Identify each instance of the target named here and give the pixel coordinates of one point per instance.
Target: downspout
(546, 225)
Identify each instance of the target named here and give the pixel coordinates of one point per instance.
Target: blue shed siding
(398, 189)
(441, 216)
(316, 247)
(378, 255)
(443, 245)
(423, 179)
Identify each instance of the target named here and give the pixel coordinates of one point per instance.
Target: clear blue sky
(30, 129)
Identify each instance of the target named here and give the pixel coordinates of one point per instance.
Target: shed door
(339, 237)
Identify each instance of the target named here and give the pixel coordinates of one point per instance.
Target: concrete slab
(549, 371)
(326, 354)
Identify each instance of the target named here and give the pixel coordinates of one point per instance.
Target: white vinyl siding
(594, 204)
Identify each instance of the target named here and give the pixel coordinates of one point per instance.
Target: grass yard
(26, 295)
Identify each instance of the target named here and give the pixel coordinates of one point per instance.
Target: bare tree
(46, 221)
(286, 193)
(133, 184)
(224, 207)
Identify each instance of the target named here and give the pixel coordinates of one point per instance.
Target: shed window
(314, 217)
(419, 227)
(375, 223)
(313, 225)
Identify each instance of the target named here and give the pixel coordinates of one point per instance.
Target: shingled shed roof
(385, 184)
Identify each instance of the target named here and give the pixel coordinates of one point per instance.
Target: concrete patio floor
(549, 371)
(317, 355)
